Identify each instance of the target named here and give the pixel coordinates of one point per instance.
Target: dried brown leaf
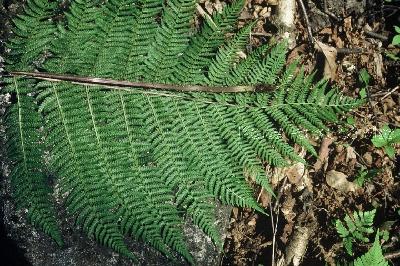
(338, 180)
(330, 54)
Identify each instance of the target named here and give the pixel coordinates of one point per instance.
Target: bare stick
(309, 31)
(355, 50)
(392, 255)
(376, 35)
(118, 84)
(275, 209)
(273, 234)
(204, 14)
(326, 10)
(390, 92)
(278, 197)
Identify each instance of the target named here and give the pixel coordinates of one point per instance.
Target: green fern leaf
(357, 227)
(227, 56)
(373, 257)
(25, 148)
(204, 45)
(171, 39)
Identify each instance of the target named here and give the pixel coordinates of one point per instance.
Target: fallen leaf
(252, 222)
(295, 173)
(278, 174)
(265, 12)
(287, 208)
(296, 53)
(209, 7)
(367, 158)
(348, 27)
(330, 54)
(350, 153)
(388, 104)
(272, 2)
(235, 212)
(336, 38)
(241, 55)
(264, 198)
(219, 6)
(323, 153)
(338, 180)
(327, 31)
(378, 65)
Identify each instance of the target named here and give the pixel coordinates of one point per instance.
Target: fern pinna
(135, 162)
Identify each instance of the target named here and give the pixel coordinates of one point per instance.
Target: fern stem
(119, 84)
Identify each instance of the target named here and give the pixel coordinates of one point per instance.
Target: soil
(302, 216)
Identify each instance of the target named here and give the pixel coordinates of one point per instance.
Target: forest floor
(347, 36)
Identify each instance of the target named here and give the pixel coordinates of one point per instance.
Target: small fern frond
(341, 229)
(357, 227)
(373, 257)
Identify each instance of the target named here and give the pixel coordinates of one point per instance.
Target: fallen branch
(120, 84)
(392, 255)
(308, 25)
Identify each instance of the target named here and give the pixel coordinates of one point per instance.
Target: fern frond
(25, 149)
(271, 134)
(357, 228)
(259, 67)
(144, 28)
(34, 31)
(157, 195)
(373, 257)
(78, 159)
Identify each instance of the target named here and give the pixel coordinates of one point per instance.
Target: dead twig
(390, 92)
(375, 117)
(329, 13)
(309, 31)
(205, 15)
(323, 153)
(392, 255)
(262, 34)
(275, 209)
(355, 50)
(378, 94)
(274, 231)
(123, 84)
(278, 197)
(376, 35)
